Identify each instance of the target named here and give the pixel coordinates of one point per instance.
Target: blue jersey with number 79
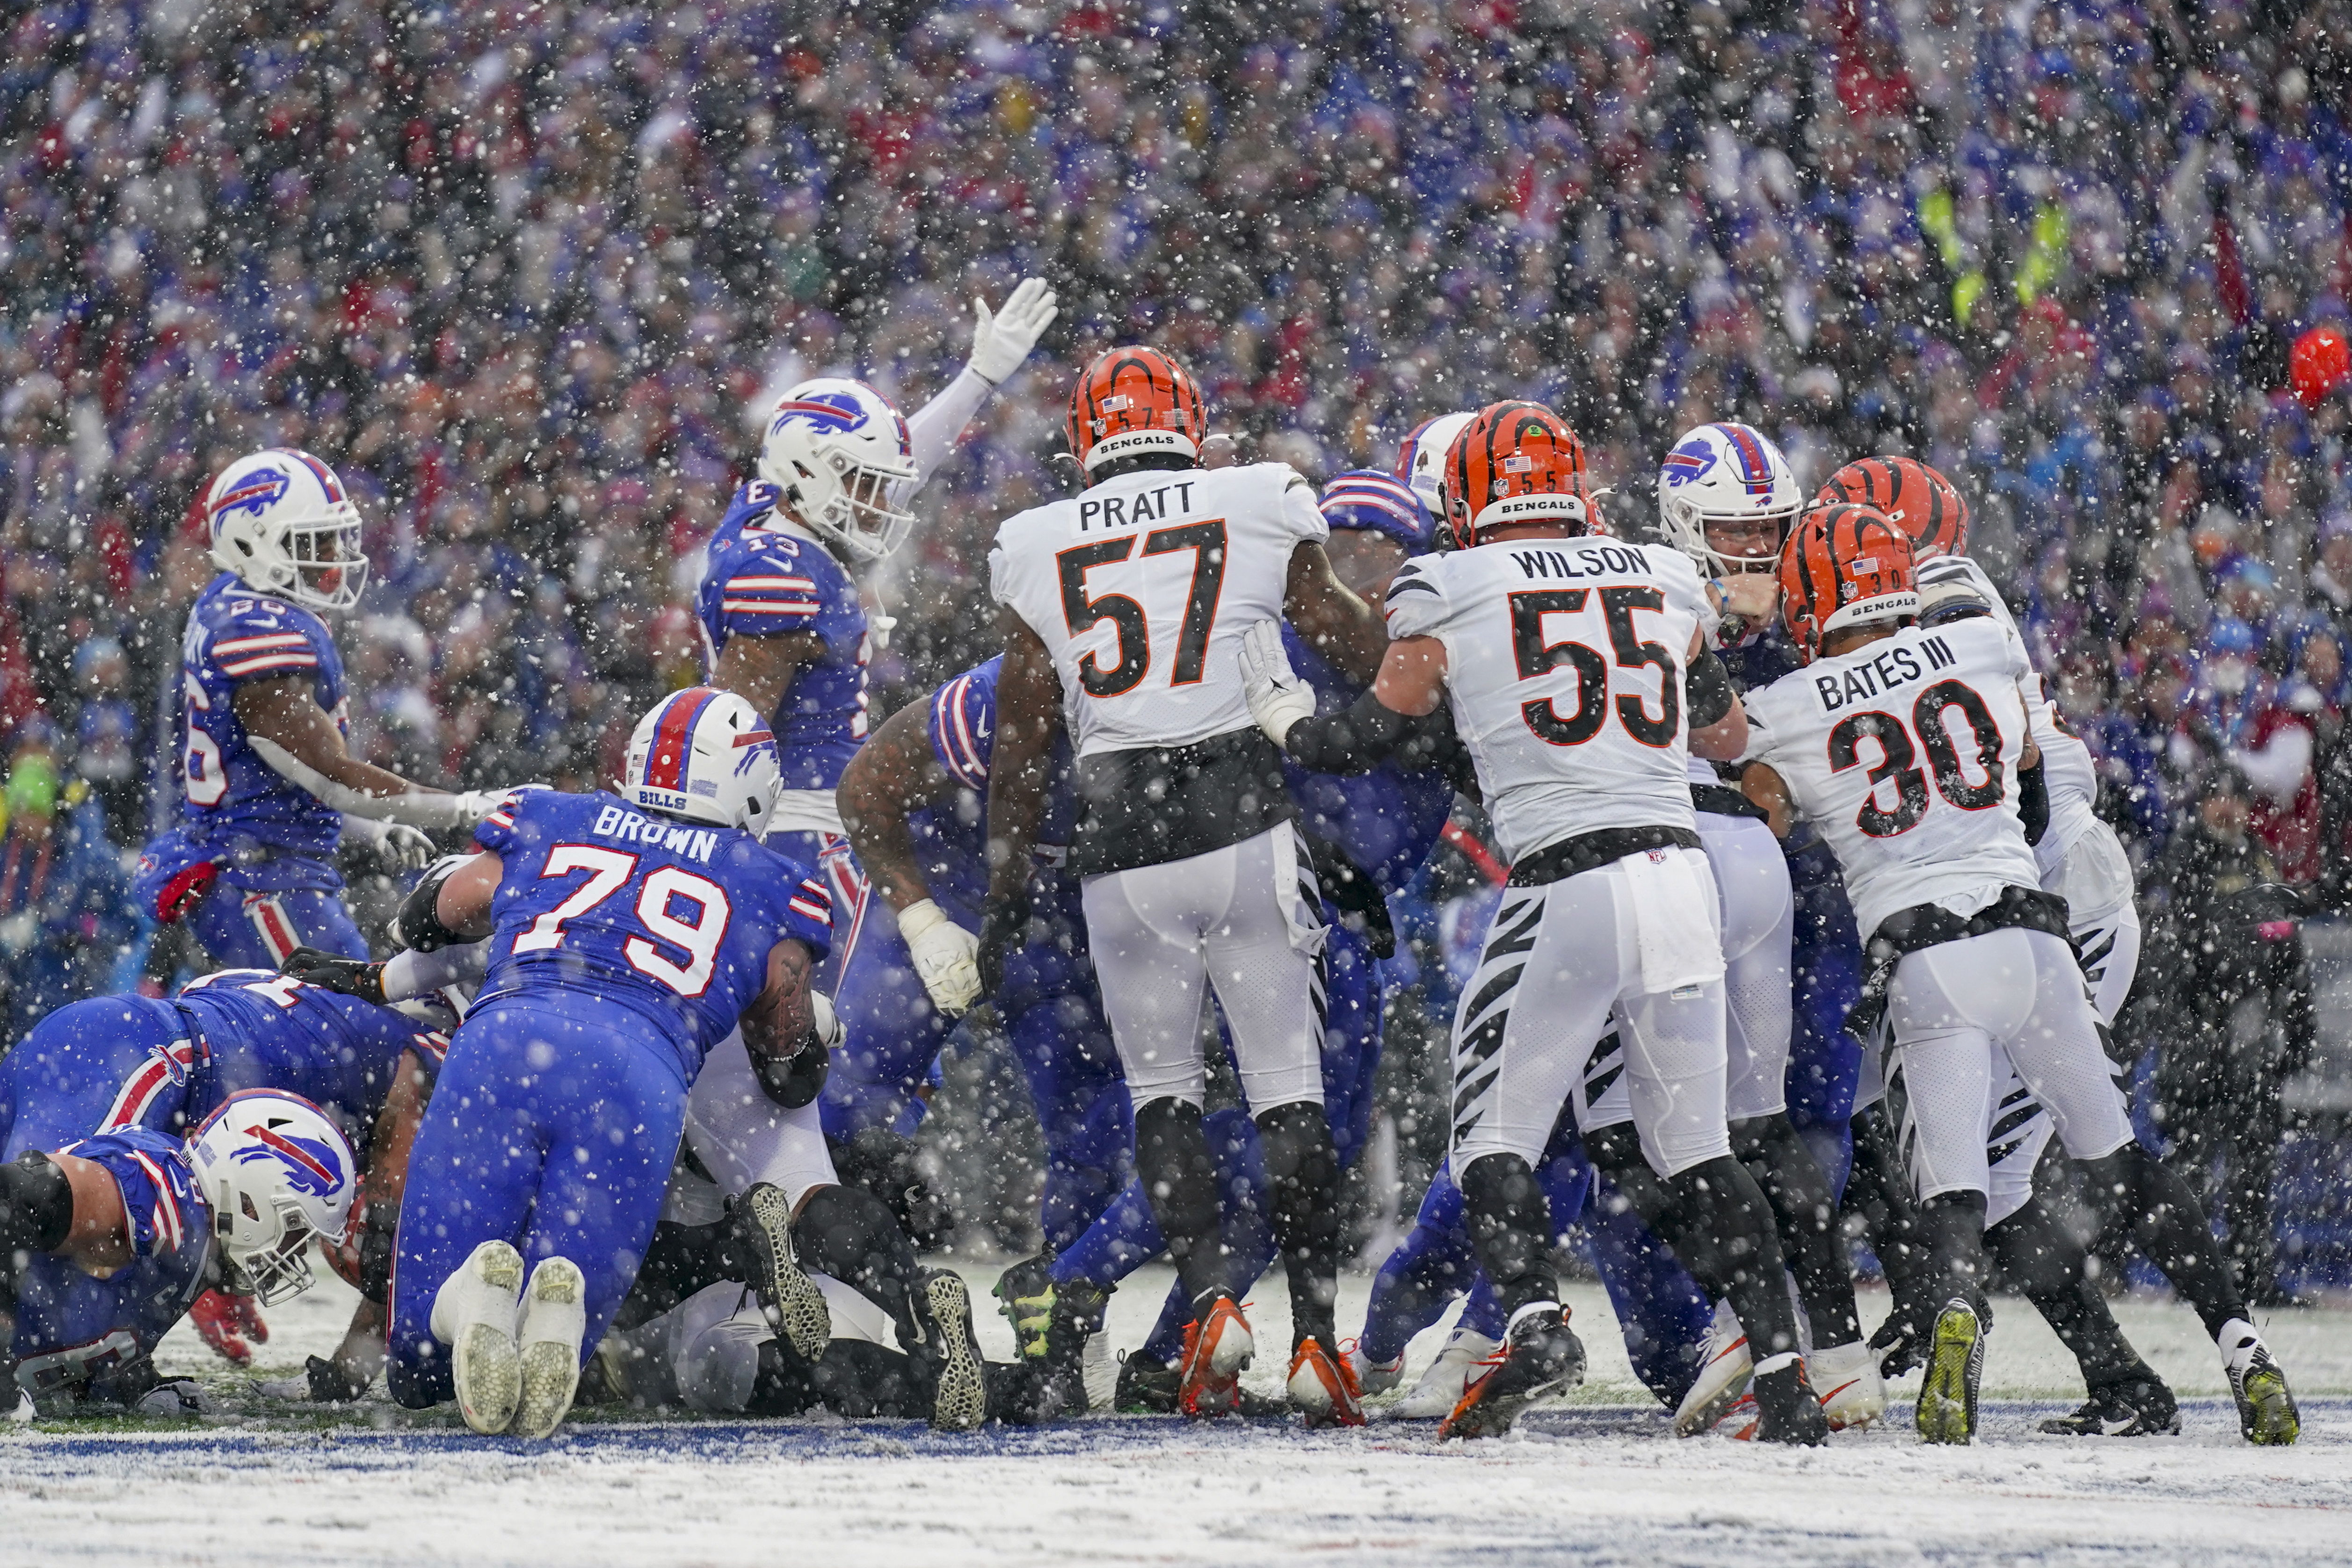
(672, 918)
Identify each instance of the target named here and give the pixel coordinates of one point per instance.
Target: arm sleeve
(427, 808)
(808, 917)
(963, 726)
(769, 594)
(933, 429)
(498, 832)
(1301, 510)
(1416, 603)
(251, 649)
(409, 973)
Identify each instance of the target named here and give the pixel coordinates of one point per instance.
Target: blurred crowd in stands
(529, 273)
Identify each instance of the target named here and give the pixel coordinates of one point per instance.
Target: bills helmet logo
(259, 490)
(1690, 461)
(310, 1164)
(749, 745)
(836, 412)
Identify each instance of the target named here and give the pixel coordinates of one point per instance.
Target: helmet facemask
(263, 1246)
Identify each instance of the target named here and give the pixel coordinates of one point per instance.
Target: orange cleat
(1323, 1387)
(1217, 1346)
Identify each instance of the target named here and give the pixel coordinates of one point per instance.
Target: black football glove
(332, 972)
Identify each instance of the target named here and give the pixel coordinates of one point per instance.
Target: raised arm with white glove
(1000, 341)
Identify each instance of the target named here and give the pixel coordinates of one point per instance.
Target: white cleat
(474, 1314)
(1845, 1379)
(1374, 1376)
(1722, 1376)
(1441, 1388)
(554, 1322)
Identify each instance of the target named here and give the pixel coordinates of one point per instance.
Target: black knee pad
(35, 1207)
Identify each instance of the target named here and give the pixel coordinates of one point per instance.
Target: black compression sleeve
(418, 924)
(1356, 741)
(2033, 803)
(1707, 689)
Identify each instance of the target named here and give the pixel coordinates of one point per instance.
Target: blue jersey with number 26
(674, 919)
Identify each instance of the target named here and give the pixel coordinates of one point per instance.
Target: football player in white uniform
(1123, 607)
(1577, 674)
(1727, 498)
(1909, 748)
(2083, 862)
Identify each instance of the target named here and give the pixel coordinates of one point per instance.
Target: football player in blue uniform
(270, 786)
(629, 938)
(780, 606)
(112, 1063)
(107, 1237)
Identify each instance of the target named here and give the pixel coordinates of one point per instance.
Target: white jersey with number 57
(1564, 670)
(1903, 753)
(1141, 587)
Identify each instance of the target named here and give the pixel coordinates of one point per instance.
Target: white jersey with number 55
(1903, 753)
(1141, 587)
(1564, 670)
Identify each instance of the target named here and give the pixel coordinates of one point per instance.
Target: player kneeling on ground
(1907, 747)
(626, 941)
(105, 1241)
(1583, 762)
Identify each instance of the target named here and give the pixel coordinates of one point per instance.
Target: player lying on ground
(115, 1062)
(106, 1240)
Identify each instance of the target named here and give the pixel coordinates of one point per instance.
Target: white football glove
(1000, 340)
(1277, 697)
(945, 955)
(830, 1032)
(395, 845)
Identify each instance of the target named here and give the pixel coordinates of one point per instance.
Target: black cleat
(1540, 1356)
(960, 1373)
(2137, 1405)
(1146, 1386)
(761, 1238)
(1787, 1409)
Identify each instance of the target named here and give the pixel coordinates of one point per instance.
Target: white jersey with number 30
(1564, 669)
(1903, 753)
(1141, 587)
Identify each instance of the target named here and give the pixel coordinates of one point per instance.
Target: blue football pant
(553, 1126)
(244, 930)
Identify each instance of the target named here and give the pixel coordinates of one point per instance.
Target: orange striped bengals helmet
(1914, 496)
(1842, 566)
(1135, 401)
(1515, 463)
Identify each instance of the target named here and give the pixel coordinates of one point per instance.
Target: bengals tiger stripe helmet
(1844, 565)
(1135, 401)
(1515, 463)
(1914, 496)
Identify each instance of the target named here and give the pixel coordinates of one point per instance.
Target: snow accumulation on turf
(1596, 1480)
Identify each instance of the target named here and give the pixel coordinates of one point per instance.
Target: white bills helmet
(707, 756)
(282, 521)
(1724, 473)
(1421, 461)
(834, 448)
(276, 1171)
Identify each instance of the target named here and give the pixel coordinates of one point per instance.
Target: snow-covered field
(1598, 1480)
